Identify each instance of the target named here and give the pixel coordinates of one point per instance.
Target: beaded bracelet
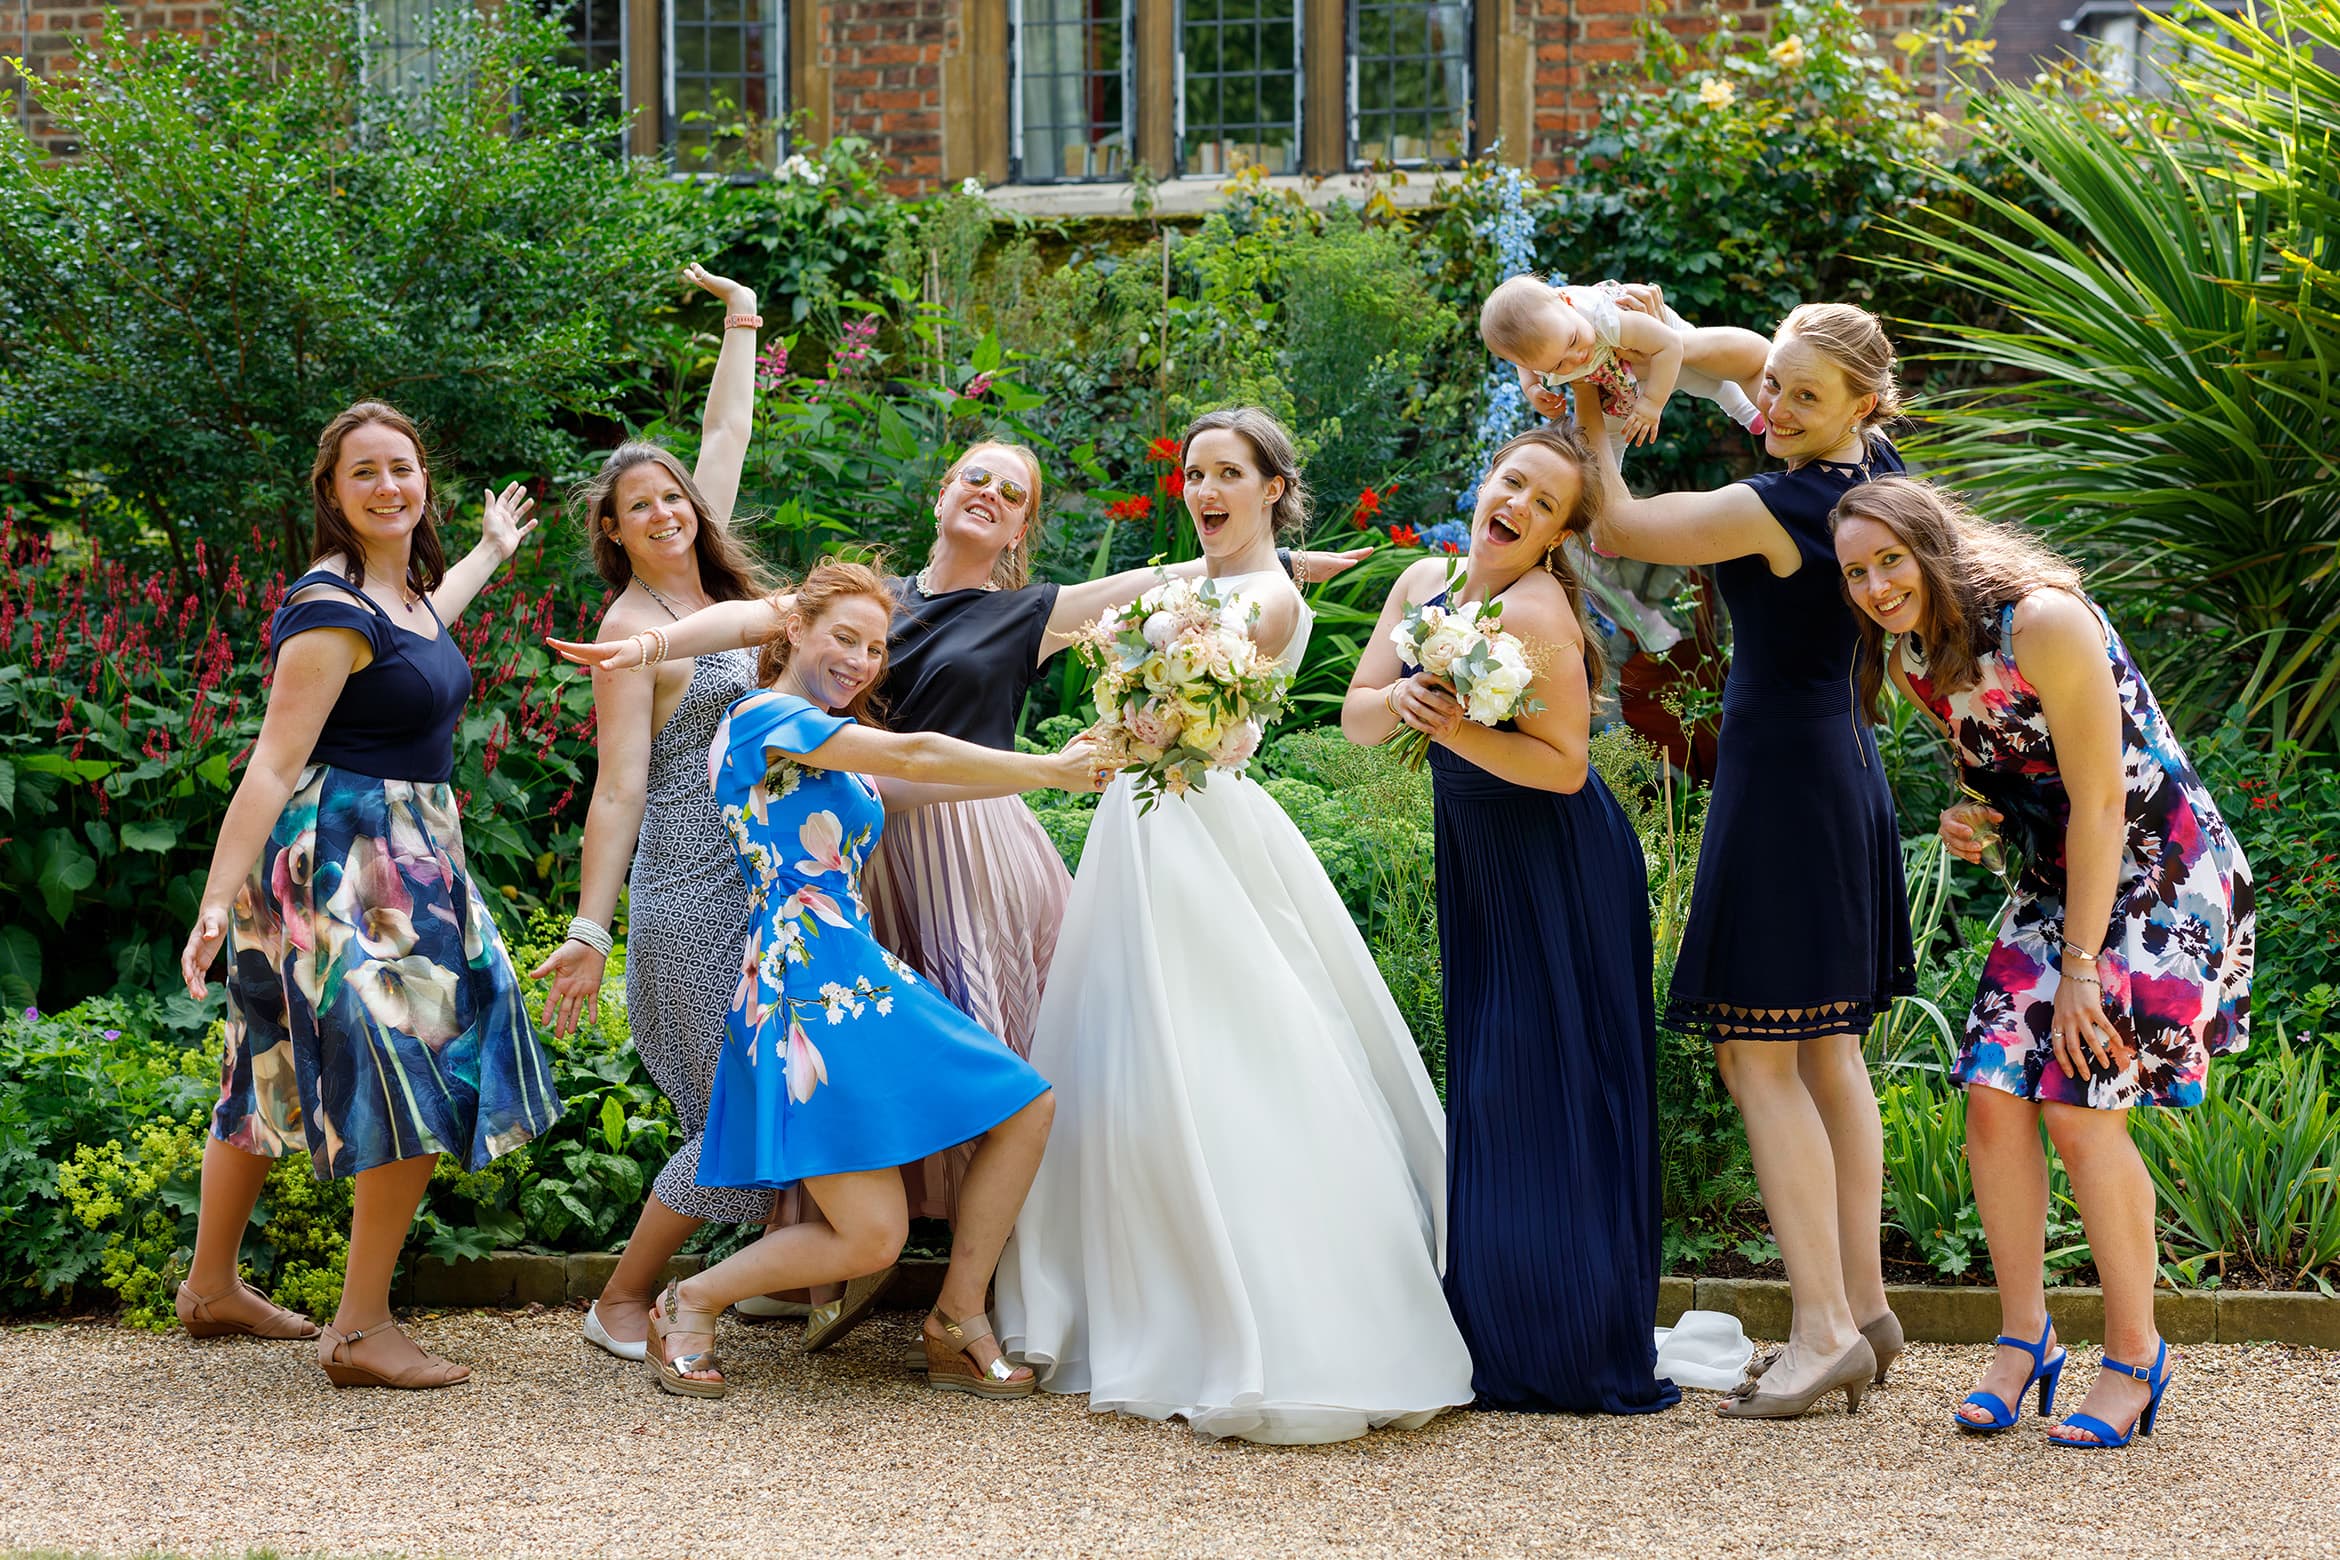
(592, 935)
(653, 643)
(743, 322)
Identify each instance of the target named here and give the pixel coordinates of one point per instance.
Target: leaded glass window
(1239, 97)
(723, 72)
(1409, 81)
(1072, 89)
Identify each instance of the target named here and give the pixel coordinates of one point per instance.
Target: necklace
(924, 580)
(661, 600)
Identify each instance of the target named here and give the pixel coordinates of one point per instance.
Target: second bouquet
(1181, 688)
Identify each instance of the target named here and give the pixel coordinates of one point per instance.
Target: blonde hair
(1515, 317)
(1273, 448)
(832, 580)
(1972, 568)
(1569, 443)
(1012, 569)
(1855, 341)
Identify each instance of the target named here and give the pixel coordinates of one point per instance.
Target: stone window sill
(1192, 197)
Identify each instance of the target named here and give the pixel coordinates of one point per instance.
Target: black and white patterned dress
(687, 925)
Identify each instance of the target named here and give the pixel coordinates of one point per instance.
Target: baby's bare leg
(1725, 352)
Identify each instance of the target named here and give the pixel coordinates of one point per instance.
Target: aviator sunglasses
(980, 477)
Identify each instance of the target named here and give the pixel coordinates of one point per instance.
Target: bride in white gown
(1241, 1215)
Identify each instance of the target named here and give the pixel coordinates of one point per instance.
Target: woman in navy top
(372, 1014)
(1799, 925)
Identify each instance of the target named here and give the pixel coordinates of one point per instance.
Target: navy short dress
(1799, 920)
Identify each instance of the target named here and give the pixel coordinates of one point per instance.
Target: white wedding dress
(1240, 1217)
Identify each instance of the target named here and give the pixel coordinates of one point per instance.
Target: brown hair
(1272, 447)
(426, 559)
(1855, 341)
(831, 581)
(1515, 317)
(1971, 568)
(728, 571)
(1012, 569)
(1569, 443)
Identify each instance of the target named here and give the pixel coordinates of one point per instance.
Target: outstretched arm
(503, 523)
(731, 400)
(1682, 528)
(727, 625)
(929, 766)
(1077, 606)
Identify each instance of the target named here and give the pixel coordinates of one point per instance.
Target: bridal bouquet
(1181, 688)
(1466, 648)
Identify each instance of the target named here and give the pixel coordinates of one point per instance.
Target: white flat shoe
(763, 1308)
(599, 1337)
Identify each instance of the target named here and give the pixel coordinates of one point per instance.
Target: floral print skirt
(372, 1012)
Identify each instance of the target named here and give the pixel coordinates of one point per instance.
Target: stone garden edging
(1929, 1314)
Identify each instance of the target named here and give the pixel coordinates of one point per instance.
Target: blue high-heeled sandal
(2045, 1371)
(2157, 1379)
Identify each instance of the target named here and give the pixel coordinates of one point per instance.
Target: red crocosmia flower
(1164, 448)
(1174, 482)
(1405, 536)
(1136, 508)
(1368, 504)
(1449, 547)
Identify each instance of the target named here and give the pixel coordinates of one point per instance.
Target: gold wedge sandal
(828, 1323)
(951, 1368)
(667, 1315)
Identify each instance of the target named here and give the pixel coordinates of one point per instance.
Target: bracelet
(743, 322)
(591, 935)
(2085, 980)
(2073, 950)
(653, 643)
(1389, 699)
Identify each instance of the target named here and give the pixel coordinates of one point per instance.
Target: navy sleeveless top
(960, 663)
(395, 720)
(1792, 639)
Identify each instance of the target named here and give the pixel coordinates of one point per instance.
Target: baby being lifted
(1623, 343)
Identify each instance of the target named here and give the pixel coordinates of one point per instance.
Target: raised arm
(310, 670)
(725, 426)
(1079, 605)
(1681, 528)
(503, 523)
(2060, 650)
(727, 625)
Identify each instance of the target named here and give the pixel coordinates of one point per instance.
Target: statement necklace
(924, 580)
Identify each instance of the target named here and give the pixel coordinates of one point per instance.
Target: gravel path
(117, 1442)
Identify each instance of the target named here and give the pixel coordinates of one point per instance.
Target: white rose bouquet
(1467, 649)
(1181, 689)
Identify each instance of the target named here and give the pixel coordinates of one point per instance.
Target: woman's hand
(1314, 568)
(1962, 831)
(1427, 705)
(506, 520)
(607, 655)
(2081, 1032)
(573, 976)
(203, 945)
(737, 297)
(1641, 297)
(1081, 767)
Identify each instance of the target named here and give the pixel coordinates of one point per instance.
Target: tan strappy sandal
(826, 1324)
(951, 1368)
(195, 1315)
(343, 1370)
(667, 1315)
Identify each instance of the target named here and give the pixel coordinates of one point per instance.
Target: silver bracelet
(591, 935)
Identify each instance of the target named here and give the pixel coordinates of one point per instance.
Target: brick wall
(884, 61)
(50, 39)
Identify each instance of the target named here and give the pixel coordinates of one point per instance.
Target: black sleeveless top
(960, 663)
(395, 720)
(1792, 639)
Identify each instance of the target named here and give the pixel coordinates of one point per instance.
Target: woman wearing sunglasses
(970, 893)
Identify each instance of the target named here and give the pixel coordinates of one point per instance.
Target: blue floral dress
(836, 1056)
(2177, 953)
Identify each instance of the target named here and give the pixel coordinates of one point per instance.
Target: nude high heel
(1853, 1371)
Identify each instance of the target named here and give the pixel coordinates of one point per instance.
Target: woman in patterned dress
(662, 540)
(372, 1013)
(2123, 962)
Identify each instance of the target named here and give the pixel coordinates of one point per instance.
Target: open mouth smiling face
(653, 511)
(1880, 575)
(1227, 495)
(379, 481)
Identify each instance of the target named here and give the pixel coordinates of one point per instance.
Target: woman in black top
(372, 1014)
(1798, 934)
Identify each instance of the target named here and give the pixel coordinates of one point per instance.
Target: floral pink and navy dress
(372, 1013)
(2176, 960)
(836, 1056)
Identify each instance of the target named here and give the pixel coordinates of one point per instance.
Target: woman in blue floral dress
(840, 1065)
(373, 1016)
(2123, 962)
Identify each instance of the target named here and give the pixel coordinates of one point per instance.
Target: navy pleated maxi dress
(1551, 1094)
